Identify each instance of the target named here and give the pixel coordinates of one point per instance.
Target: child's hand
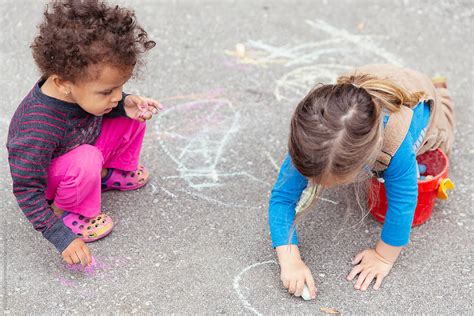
(140, 108)
(77, 252)
(294, 272)
(370, 265)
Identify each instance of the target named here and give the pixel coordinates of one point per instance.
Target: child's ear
(64, 86)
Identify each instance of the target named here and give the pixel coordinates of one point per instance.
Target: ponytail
(385, 93)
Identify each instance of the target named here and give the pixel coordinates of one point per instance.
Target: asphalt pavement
(195, 240)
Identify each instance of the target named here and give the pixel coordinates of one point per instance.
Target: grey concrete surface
(195, 240)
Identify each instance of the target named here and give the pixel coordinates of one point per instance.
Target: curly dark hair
(78, 33)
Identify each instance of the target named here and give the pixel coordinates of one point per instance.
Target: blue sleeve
(402, 194)
(286, 193)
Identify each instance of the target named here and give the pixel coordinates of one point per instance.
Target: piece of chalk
(305, 295)
(240, 50)
(422, 168)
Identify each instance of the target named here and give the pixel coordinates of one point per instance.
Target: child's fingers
(87, 252)
(367, 281)
(144, 115)
(68, 259)
(355, 270)
(292, 287)
(153, 109)
(360, 280)
(143, 105)
(82, 257)
(299, 287)
(134, 100)
(378, 281)
(155, 104)
(147, 115)
(311, 286)
(75, 258)
(286, 283)
(358, 258)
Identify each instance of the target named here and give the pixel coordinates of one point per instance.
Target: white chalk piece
(240, 50)
(306, 295)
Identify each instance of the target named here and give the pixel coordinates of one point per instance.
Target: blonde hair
(337, 130)
(385, 93)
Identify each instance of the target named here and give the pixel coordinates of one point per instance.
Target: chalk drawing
(255, 57)
(273, 162)
(203, 139)
(364, 42)
(77, 278)
(168, 192)
(237, 289)
(153, 188)
(341, 43)
(319, 62)
(196, 136)
(299, 81)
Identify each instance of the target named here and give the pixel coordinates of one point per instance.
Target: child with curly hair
(76, 134)
(375, 120)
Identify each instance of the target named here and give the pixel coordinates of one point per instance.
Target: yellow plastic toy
(444, 186)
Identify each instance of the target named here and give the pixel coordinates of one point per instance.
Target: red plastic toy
(437, 164)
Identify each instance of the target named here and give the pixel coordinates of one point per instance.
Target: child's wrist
(288, 253)
(381, 258)
(387, 253)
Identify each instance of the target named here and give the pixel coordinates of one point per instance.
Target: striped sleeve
(30, 148)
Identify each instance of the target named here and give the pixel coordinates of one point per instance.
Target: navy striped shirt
(44, 128)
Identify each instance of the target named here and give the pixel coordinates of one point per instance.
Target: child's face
(102, 93)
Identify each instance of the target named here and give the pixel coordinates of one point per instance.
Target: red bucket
(436, 163)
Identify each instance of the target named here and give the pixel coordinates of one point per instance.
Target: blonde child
(336, 135)
(76, 133)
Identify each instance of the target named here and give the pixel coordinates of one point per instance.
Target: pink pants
(74, 179)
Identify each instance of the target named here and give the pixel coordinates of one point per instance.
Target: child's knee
(80, 182)
(87, 164)
(90, 156)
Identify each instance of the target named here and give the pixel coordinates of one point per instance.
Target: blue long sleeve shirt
(400, 184)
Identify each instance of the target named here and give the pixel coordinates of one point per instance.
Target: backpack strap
(395, 131)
